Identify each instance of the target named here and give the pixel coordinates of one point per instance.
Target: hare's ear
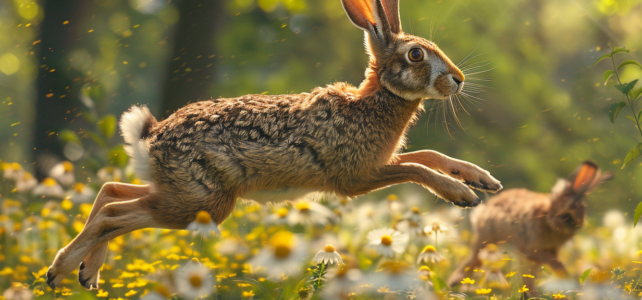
(583, 177)
(370, 16)
(599, 178)
(391, 7)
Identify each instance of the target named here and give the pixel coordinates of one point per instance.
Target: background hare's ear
(583, 177)
(372, 17)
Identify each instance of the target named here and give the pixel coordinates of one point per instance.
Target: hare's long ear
(372, 17)
(583, 177)
(391, 7)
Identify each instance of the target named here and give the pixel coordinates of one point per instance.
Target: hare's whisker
(468, 58)
(479, 72)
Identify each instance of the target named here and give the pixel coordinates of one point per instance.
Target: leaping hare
(337, 139)
(535, 224)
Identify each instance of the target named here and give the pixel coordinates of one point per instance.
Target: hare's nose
(458, 82)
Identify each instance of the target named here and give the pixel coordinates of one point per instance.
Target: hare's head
(410, 67)
(567, 205)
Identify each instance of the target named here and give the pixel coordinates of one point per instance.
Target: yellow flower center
(282, 251)
(282, 242)
(429, 248)
(49, 182)
(415, 210)
(163, 291)
(203, 217)
(386, 240)
(195, 280)
(68, 166)
(303, 206)
(393, 197)
(16, 166)
(414, 224)
(329, 248)
(424, 268)
(282, 212)
(492, 247)
(78, 187)
(27, 176)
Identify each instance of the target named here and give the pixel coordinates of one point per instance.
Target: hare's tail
(134, 127)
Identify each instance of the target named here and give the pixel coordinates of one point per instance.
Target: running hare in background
(337, 139)
(534, 224)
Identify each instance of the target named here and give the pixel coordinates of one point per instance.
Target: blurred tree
(190, 68)
(56, 101)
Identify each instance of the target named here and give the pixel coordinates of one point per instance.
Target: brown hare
(337, 139)
(534, 224)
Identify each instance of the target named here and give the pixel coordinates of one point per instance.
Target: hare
(337, 139)
(535, 224)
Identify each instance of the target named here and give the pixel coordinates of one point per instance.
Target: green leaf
(97, 139)
(619, 50)
(632, 155)
(636, 215)
(629, 62)
(634, 94)
(625, 88)
(631, 118)
(69, 136)
(607, 75)
(639, 115)
(585, 275)
(614, 110)
(118, 157)
(107, 125)
(608, 55)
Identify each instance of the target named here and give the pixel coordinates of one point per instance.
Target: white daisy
(394, 276)
(429, 255)
(309, 213)
(280, 216)
(18, 291)
(107, 174)
(81, 193)
(10, 206)
(341, 281)
(387, 241)
(64, 173)
(194, 280)
(281, 257)
(12, 170)
(203, 224)
(48, 187)
(491, 254)
(328, 255)
(413, 229)
(25, 182)
(414, 215)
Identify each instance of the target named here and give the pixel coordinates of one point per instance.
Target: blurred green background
(543, 110)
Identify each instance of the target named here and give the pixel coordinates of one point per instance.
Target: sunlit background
(67, 66)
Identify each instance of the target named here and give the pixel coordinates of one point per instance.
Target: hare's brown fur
(337, 139)
(535, 224)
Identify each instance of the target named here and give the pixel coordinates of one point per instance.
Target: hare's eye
(416, 54)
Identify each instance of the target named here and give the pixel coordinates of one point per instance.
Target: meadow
(539, 105)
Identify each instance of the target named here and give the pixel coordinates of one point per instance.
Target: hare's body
(339, 139)
(270, 148)
(516, 217)
(534, 224)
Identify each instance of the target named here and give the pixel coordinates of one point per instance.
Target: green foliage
(585, 275)
(632, 155)
(107, 126)
(614, 110)
(625, 88)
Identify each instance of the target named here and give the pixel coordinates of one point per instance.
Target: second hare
(336, 139)
(535, 224)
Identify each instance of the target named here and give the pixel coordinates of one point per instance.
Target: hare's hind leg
(444, 187)
(112, 220)
(110, 192)
(470, 174)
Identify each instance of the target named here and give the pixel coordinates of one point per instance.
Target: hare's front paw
(456, 192)
(474, 176)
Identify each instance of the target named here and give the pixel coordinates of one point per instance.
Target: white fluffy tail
(134, 127)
